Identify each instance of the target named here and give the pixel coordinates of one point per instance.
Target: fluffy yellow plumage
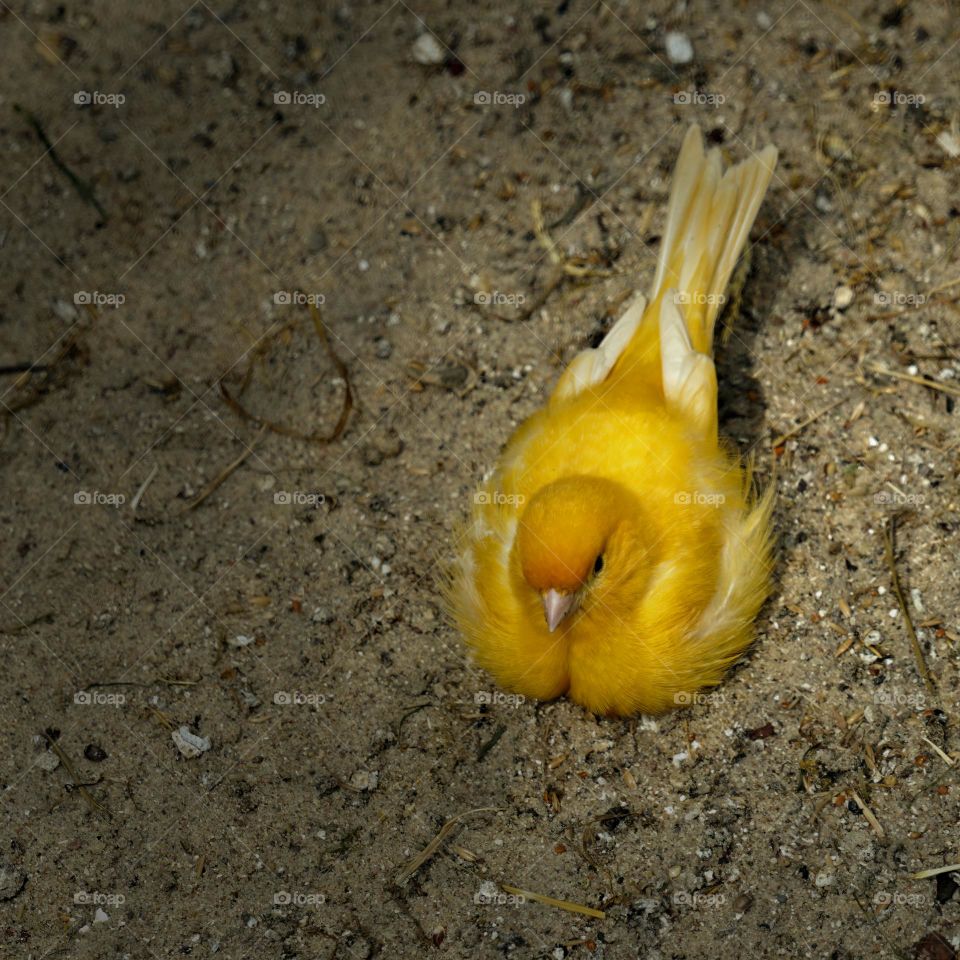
(615, 553)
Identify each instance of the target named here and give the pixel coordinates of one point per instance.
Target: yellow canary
(616, 553)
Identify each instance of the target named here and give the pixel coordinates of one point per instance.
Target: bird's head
(574, 534)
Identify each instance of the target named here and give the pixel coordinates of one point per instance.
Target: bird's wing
(689, 377)
(709, 217)
(591, 366)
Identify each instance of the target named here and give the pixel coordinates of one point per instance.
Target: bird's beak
(556, 606)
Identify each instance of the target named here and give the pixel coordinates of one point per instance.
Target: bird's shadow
(741, 401)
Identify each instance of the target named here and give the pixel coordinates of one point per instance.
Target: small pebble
(842, 297)
(428, 50)
(48, 761)
(949, 143)
(365, 780)
(742, 904)
(12, 881)
(189, 744)
(679, 48)
(384, 348)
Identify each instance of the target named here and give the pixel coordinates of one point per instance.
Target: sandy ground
(233, 714)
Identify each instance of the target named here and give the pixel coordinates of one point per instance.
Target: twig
(934, 872)
(229, 469)
(889, 536)
(784, 437)
(95, 805)
(913, 378)
(170, 682)
(84, 190)
(868, 815)
(942, 754)
(431, 848)
(491, 743)
(553, 902)
(26, 367)
(36, 392)
(135, 502)
(348, 399)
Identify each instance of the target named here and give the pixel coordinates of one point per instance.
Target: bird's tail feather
(708, 220)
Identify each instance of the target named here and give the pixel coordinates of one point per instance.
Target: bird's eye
(598, 563)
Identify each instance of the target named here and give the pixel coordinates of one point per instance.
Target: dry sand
(259, 692)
